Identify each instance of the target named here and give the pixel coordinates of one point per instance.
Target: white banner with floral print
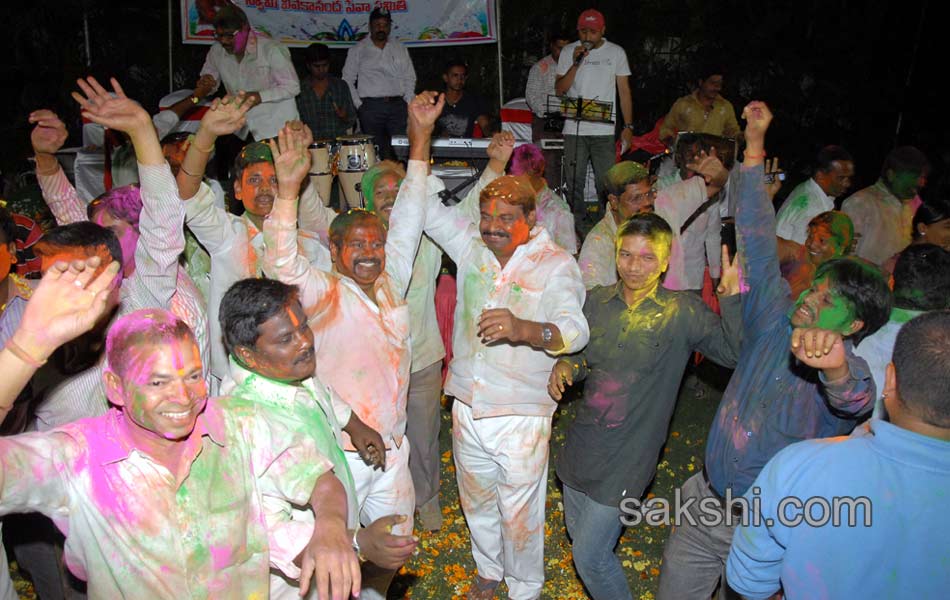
(345, 22)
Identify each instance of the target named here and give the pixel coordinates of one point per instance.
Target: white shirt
(541, 79)
(266, 69)
(236, 248)
(373, 72)
(363, 348)
(595, 79)
(806, 202)
(540, 283)
(882, 223)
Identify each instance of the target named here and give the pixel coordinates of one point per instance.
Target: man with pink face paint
(163, 496)
(519, 306)
(244, 60)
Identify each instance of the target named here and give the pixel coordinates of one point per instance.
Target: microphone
(580, 57)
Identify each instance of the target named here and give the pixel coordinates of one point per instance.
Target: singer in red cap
(596, 71)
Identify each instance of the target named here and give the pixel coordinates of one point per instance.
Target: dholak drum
(355, 154)
(320, 174)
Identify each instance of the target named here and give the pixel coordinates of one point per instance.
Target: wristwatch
(546, 334)
(356, 546)
(628, 126)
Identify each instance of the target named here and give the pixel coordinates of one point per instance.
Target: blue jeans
(594, 529)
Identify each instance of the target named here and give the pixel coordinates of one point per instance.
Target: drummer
(324, 103)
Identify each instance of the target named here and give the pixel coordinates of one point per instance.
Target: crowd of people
(237, 394)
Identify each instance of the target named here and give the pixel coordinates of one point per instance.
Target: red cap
(590, 19)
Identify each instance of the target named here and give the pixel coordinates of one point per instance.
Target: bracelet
(202, 150)
(185, 171)
(356, 546)
(23, 355)
(754, 156)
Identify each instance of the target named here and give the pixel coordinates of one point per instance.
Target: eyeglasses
(638, 198)
(225, 34)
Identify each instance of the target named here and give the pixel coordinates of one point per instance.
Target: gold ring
(501, 327)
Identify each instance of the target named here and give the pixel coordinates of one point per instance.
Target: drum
(355, 154)
(320, 173)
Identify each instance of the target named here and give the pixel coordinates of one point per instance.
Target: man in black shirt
(462, 109)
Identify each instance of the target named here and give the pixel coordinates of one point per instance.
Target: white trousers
(501, 464)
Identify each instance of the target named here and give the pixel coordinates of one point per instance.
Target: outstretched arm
(47, 137)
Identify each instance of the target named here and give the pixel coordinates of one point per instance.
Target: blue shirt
(903, 554)
(772, 400)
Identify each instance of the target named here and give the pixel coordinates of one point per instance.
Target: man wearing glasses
(246, 61)
(630, 191)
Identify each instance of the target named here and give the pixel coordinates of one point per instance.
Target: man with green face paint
(884, 212)
(774, 399)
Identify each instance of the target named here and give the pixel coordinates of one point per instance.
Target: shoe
(430, 515)
(482, 589)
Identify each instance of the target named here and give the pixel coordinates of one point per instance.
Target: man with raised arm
(163, 496)
(359, 316)
(235, 243)
(519, 306)
(797, 376)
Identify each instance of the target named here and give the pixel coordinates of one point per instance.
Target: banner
(345, 22)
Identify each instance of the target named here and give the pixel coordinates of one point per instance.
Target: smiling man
(359, 315)
(830, 235)
(797, 377)
(519, 306)
(642, 336)
(163, 496)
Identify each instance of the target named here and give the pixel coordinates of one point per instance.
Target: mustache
(305, 355)
(496, 233)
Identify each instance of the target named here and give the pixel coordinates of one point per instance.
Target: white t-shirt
(596, 79)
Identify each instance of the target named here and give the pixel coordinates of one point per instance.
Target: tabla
(320, 173)
(355, 155)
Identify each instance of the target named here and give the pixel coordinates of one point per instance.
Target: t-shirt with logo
(596, 79)
(458, 120)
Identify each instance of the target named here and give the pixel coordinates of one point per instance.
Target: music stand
(579, 109)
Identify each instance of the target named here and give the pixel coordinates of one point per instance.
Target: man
(921, 284)
(539, 94)
(519, 305)
(382, 81)
(897, 468)
(540, 86)
(324, 102)
(553, 212)
(633, 371)
(817, 194)
(884, 212)
(246, 61)
(463, 110)
(235, 243)
(702, 111)
(830, 235)
(163, 496)
(593, 69)
(123, 209)
(773, 399)
(630, 191)
(361, 299)
(272, 365)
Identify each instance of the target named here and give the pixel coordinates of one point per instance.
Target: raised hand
(562, 376)
(501, 146)
(49, 133)
(115, 111)
(729, 280)
(66, 304)
(226, 115)
(424, 111)
(291, 158)
(709, 166)
(758, 117)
